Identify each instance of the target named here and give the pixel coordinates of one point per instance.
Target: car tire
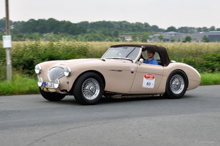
(88, 88)
(52, 96)
(176, 85)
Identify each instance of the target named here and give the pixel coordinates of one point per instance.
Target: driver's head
(150, 54)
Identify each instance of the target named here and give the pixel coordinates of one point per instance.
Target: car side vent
(55, 73)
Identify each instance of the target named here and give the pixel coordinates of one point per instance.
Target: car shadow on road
(69, 100)
(129, 99)
(137, 99)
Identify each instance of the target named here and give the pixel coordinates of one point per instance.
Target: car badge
(132, 68)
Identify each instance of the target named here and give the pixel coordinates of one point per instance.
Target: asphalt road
(194, 120)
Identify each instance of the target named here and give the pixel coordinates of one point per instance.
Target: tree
(171, 28)
(117, 40)
(205, 38)
(134, 38)
(104, 32)
(188, 39)
(2, 22)
(173, 40)
(205, 29)
(53, 25)
(146, 27)
(160, 37)
(145, 37)
(115, 33)
(1, 34)
(92, 31)
(155, 28)
(183, 30)
(108, 39)
(84, 24)
(212, 28)
(199, 29)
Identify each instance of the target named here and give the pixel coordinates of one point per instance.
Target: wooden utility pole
(8, 50)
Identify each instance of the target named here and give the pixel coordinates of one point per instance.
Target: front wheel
(88, 88)
(177, 83)
(51, 96)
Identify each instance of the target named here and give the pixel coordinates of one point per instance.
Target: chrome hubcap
(177, 84)
(90, 88)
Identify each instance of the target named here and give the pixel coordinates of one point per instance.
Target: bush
(26, 56)
(205, 63)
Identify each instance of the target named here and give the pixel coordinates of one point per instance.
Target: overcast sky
(163, 13)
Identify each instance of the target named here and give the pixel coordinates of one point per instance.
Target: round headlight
(37, 69)
(67, 71)
(40, 81)
(56, 83)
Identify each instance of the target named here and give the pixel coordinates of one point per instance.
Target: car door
(147, 78)
(119, 77)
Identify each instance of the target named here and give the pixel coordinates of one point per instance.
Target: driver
(151, 59)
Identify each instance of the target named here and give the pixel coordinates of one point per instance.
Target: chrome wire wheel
(177, 84)
(90, 88)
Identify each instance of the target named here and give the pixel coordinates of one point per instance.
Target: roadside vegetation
(20, 84)
(210, 78)
(205, 57)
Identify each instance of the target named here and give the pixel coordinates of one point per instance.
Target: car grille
(55, 73)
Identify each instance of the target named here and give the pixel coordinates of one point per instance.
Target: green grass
(22, 84)
(210, 78)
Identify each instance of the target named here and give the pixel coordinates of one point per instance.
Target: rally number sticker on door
(148, 81)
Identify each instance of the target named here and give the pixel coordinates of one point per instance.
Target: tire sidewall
(77, 90)
(168, 89)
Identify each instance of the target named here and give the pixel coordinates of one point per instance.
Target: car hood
(73, 62)
(64, 63)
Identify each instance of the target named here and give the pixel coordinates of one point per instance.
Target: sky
(163, 13)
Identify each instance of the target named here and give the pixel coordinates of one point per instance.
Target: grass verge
(22, 84)
(210, 78)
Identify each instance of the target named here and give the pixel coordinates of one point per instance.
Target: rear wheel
(52, 96)
(88, 88)
(177, 83)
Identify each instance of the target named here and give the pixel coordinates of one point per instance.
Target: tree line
(52, 29)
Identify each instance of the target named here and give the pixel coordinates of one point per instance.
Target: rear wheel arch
(180, 70)
(168, 91)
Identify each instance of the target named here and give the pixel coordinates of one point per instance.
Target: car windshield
(122, 53)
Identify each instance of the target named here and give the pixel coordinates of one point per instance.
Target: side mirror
(141, 61)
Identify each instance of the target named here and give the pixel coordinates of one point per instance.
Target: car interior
(156, 56)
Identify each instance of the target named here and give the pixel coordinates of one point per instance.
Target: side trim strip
(115, 70)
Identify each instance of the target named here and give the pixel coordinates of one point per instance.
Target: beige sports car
(120, 71)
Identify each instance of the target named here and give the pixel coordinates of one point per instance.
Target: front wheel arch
(93, 85)
(103, 79)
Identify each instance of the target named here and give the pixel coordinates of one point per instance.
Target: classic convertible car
(120, 71)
